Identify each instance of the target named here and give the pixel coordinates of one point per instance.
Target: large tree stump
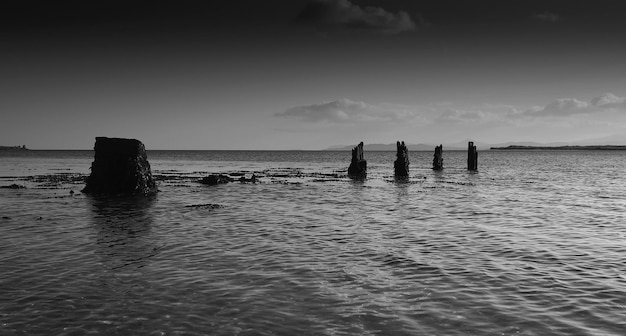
(358, 166)
(438, 158)
(120, 166)
(472, 157)
(401, 165)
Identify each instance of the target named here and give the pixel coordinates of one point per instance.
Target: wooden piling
(401, 165)
(472, 157)
(358, 165)
(438, 158)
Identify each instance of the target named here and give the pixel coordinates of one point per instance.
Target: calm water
(532, 244)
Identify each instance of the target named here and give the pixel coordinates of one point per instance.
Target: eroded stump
(120, 166)
(401, 165)
(438, 158)
(358, 166)
(472, 157)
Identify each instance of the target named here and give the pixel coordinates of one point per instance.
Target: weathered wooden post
(401, 165)
(120, 166)
(358, 166)
(438, 158)
(472, 157)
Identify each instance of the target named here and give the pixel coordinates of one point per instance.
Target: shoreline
(592, 147)
(14, 148)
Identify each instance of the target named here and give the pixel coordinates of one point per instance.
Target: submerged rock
(216, 179)
(358, 166)
(209, 206)
(13, 186)
(245, 179)
(120, 166)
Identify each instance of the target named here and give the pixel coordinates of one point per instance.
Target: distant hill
(529, 144)
(593, 147)
(609, 142)
(392, 147)
(13, 148)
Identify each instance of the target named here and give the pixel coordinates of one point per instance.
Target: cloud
(483, 114)
(343, 15)
(547, 17)
(571, 106)
(456, 115)
(348, 111)
(563, 107)
(333, 111)
(608, 100)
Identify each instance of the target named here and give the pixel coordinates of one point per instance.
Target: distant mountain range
(392, 147)
(591, 147)
(613, 140)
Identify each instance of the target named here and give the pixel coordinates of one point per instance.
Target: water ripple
(505, 251)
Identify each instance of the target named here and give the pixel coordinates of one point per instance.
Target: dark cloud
(547, 17)
(334, 111)
(344, 15)
(348, 111)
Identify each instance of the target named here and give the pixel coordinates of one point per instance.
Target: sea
(533, 243)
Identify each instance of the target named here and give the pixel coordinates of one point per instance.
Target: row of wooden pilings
(358, 165)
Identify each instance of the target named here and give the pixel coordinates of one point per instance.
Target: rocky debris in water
(216, 179)
(283, 172)
(327, 180)
(120, 166)
(55, 180)
(358, 166)
(248, 179)
(13, 186)
(322, 176)
(288, 182)
(438, 158)
(401, 165)
(160, 177)
(209, 206)
(279, 175)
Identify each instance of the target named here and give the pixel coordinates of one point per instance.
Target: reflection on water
(124, 239)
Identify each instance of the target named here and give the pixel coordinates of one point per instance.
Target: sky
(310, 74)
